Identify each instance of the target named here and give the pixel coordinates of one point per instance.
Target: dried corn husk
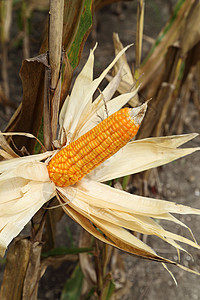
(25, 185)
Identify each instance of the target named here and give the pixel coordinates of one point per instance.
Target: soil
(179, 181)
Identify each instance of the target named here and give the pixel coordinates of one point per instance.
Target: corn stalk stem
(26, 46)
(52, 96)
(139, 32)
(55, 50)
(55, 39)
(5, 18)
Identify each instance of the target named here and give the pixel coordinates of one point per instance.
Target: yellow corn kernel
(80, 157)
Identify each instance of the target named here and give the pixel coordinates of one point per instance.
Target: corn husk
(145, 154)
(24, 188)
(107, 213)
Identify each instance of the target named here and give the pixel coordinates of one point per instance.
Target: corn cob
(80, 157)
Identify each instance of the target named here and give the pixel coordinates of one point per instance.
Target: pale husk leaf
(101, 195)
(118, 242)
(25, 198)
(141, 224)
(169, 217)
(86, 121)
(16, 162)
(85, 201)
(78, 98)
(142, 155)
(31, 171)
(84, 90)
(115, 236)
(112, 210)
(24, 187)
(101, 113)
(127, 83)
(126, 73)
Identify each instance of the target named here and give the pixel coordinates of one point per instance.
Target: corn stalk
(6, 18)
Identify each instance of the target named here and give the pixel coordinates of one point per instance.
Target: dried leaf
(127, 82)
(4, 144)
(28, 116)
(191, 33)
(118, 239)
(127, 75)
(14, 163)
(167, 37)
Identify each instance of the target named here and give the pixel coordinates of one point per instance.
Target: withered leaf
(28, 116)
